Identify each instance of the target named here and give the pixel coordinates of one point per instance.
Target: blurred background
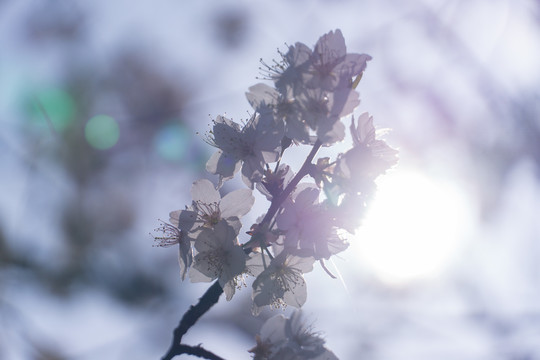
(103, 110)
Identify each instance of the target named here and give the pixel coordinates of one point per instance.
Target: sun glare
(413, 229)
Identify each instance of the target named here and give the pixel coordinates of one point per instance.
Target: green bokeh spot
(102, 132)
(54, 105)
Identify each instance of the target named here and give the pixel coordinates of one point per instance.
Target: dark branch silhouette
(209, 299)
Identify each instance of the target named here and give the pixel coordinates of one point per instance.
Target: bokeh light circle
(102, 132)
(172, 141)
(52, 105)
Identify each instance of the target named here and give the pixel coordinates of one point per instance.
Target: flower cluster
(290, 339)
(312, 91)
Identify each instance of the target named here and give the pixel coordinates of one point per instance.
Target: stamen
(208, 214)
(171, 235)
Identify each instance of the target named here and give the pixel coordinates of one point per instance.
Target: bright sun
(413, 229)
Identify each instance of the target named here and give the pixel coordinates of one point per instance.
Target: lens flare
(54, 105)
(102, 132)
(414, 228)
(172, 142)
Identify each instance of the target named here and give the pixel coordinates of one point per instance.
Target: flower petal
(183, 219)
(196, 276)
(304, 264)
(229, 289)
(204, 191)
(329, 133)
(236, 203)
(185, 257)
(330, 47)
(273, 329)
(223, 164)
(261, 94)
(297, 294)
(252, 171)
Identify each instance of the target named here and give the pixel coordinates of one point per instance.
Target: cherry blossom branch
(313, 89)
(209, 299)
(211, 296)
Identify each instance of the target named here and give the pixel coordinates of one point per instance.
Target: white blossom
(288, 73)
(330, 65)
(252, 146)
(321, 110)
(313, 89)
(285, 108)
(369, 157)
(208, 208)
(273, 183)
(309, 114)
(172, 236)
(280, 283)
(219, 256)
(309, 226)
(290, 339)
